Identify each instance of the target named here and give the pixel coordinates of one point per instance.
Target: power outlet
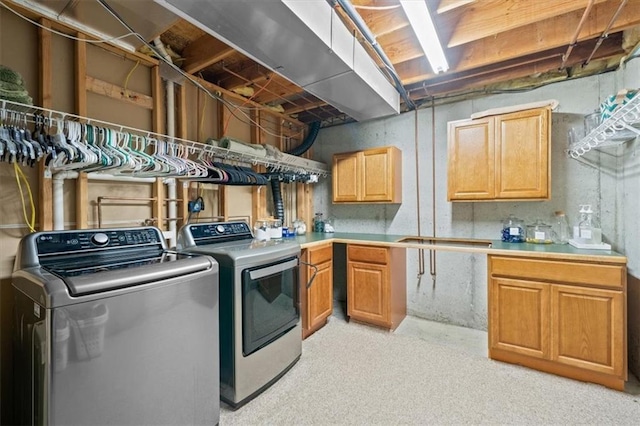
(195, 206)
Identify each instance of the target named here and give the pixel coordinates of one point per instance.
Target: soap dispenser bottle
(590, 232)
(582, 215)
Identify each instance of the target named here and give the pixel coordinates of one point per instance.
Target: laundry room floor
(423, 373)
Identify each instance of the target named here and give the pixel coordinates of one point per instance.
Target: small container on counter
(318, 223)
(262, 230)
(328, 225)
(539, 233)
(513, 230)
(299, 227)
(275, 229)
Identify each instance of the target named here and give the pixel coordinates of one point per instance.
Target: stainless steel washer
(113, 329)
(260, 331)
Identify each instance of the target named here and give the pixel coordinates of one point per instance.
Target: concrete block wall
(609, 180)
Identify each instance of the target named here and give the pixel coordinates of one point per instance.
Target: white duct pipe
(58, 197)
(172, 193)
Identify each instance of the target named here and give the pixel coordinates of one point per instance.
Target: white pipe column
(58, 197)
(172, 192)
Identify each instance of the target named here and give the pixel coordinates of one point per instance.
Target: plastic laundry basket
(88, 332)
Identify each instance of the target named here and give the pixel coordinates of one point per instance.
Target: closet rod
(284, 162)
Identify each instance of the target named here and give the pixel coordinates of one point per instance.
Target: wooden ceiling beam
(401, 45)
(383, 22)
(204, 52)
(514, 69)
(252, 74)
(449, 5)
(307, 106)
(543, 36)
(488, 18)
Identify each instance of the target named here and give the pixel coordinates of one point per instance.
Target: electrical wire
(126, 80)
(226, 125)
(104, 40)
(246, 117)
(179, 70)
(31, 224)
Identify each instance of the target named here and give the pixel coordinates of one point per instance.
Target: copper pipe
(101, 199)
(574, 39)
(605, 33)
(432, 253)
(420, 252)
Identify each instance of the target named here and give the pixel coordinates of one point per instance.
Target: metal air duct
(305, 42)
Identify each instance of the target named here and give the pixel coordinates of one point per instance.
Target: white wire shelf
(281, 162)
(621, 127)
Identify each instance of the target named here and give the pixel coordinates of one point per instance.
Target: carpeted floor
(352, 374)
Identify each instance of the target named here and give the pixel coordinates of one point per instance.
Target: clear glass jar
(513, 230)
(539, 233)
(561, 228)
(318, 223)
(261, 230)
(299, 227)
(275, 229)
(328, 225)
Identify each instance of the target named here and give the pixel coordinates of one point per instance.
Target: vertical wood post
(82, 183)
(45, 194)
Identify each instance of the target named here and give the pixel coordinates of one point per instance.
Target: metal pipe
(368, 35)
(574, 39)
(417, 153)
(432, 253)
(605, 33)
(171, 126)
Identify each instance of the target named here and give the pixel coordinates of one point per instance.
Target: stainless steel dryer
(260, 331)
(113, 329)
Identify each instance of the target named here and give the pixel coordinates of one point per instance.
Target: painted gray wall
(609, 180)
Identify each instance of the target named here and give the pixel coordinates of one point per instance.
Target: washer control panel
(70, 241)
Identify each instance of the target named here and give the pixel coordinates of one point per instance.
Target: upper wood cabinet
(370, 176)
(501, 157)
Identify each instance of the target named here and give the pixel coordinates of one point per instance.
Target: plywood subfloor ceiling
(491, 45)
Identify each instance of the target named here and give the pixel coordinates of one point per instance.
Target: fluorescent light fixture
(422, 24)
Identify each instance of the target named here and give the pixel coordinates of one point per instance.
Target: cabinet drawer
(611, 276)
(320, 254)
(368, 254)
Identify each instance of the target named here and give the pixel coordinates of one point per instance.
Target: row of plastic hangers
(71, 145)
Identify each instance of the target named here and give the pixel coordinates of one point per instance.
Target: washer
(260, 331)
(112, 328)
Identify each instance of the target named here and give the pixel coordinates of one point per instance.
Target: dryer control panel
(73, 241)
(209, 233)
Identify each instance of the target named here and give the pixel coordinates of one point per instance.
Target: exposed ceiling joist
(203, 52)
(482, 19)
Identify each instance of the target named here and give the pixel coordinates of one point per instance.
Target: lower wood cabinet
(563, 317)
(317, 299)
(376, 285)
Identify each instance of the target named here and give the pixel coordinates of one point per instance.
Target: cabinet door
(588, 329)
(345, 177)
(320, 296)
(519, 317)
(378, 175)
(368, 293)
(471, 160)
(522, 151)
